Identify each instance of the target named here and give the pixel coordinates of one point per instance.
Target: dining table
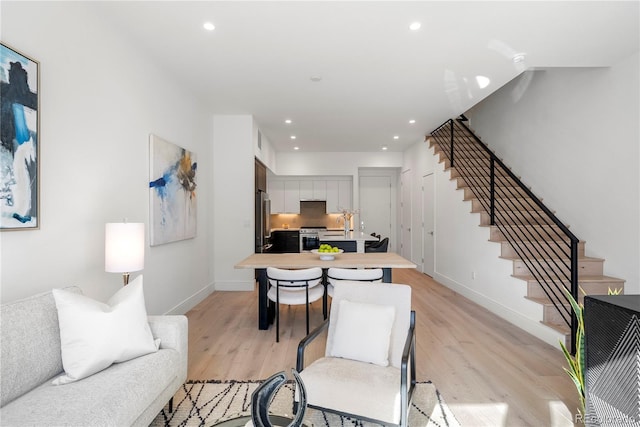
(260, 261)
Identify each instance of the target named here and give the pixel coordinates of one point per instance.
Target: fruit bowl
(327, 256)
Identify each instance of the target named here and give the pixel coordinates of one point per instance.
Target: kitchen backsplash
(312, 214)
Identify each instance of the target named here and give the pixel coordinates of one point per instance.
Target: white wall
(574, 138)
(233, 200)
(100, 99)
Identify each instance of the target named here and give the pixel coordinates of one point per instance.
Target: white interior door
(375, 205)
(405, 215)
(428, 226)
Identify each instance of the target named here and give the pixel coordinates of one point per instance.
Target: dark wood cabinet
(285, 241)
(261, 176)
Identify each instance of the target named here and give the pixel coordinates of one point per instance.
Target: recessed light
(412, 121)
(292, 137)
(209, 26)
(384, 148)
(396, 137)
(296, 148)
(482, 81)
(316, 79)
(415, 26)
(288, 121)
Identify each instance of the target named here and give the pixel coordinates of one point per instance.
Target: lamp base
(125, 278)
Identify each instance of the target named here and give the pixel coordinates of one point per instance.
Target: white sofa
(131, 393)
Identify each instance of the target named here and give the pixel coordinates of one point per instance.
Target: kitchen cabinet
(276, 195)
(261, 176)
(292, 197)
(338, 195)
(306, 190)
(286, 193)
(313, 189)
(285, 241)
(319, 190)
(285, 196)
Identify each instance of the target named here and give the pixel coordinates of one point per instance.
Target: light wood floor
(488, 371)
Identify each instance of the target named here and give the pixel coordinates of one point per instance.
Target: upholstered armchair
(368, 370)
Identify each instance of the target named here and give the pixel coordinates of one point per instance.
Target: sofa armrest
(172, 331)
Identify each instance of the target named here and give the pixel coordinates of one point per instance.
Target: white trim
(535, 328)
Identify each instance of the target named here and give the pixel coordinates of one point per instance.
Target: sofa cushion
(30, 347)
(112, 397)
(95, 335)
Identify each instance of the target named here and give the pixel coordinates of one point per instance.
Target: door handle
(431, 232)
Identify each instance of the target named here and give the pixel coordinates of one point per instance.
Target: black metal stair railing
(541, 241)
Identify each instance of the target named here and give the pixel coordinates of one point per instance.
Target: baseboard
(247, 286)
(533, 327)
(192, 301)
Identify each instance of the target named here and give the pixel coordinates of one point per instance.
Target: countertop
(343, 260)
(339, 235)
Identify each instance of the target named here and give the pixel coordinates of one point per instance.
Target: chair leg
(277, 324)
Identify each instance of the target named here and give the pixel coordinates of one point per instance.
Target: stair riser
(463, 155)
(485, 182)
(508, 251)
(534, 289)
(533, 234)
(588, 267)
(514, 219)
(500, 193)
(551, 315)
(477, 172)
(522, 205)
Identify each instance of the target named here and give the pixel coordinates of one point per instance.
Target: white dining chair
(335, 275)
(294, 287)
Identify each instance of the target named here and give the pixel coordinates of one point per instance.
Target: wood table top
(343, 260)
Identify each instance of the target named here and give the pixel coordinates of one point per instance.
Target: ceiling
(350, 75)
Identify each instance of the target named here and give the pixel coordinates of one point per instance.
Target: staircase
(545, 254)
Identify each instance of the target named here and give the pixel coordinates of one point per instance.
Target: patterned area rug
(205, 403)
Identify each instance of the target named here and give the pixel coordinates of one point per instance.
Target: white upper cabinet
(338, 195)
(320, 190)
(292, 197)
(306, 190)
(275, 189)
(286, 193)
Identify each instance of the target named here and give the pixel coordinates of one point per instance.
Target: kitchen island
(352, 241)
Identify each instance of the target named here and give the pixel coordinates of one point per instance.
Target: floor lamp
(124, 248)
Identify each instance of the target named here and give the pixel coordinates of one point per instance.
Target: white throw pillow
(95, 335)
(363, 332)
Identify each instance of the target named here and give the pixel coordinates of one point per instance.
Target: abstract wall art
(172, 188)
(19, 141)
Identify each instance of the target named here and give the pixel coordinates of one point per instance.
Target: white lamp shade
(124, 247)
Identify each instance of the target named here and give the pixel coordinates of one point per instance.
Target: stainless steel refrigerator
(263, 223)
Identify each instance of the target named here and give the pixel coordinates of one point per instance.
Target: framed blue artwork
(172, 188)
(19, 141)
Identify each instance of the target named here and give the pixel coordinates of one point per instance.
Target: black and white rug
(205, 403)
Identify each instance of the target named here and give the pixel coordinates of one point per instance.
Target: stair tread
(580, 258)
(534, 241)
(545, 301)
(583, 279)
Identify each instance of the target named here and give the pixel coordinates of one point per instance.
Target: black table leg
(266, 310)
(325, 283)
(386, 275)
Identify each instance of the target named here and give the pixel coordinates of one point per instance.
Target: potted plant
(576, 362)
